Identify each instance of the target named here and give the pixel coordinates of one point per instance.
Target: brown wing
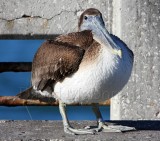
(57, 59)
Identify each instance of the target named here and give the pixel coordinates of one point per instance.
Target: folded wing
(59, 58)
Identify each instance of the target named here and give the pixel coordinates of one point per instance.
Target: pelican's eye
(85, 17)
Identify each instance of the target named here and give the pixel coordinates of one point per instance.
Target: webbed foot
(110, 128)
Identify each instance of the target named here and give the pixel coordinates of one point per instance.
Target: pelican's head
(91, 19)
(88, 18)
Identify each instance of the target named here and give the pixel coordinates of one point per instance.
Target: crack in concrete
(63, 11)
(36, 17)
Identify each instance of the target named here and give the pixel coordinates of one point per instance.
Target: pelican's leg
(107, 128)
(67, 128)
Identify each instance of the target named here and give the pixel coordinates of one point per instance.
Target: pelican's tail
(31, 93)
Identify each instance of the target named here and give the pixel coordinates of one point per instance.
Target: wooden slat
(15, 66)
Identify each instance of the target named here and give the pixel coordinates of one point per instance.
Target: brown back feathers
(59, 58)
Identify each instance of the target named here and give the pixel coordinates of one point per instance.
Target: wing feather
(59, 58)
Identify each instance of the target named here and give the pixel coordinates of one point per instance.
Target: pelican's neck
(101, 39)
(107, 41)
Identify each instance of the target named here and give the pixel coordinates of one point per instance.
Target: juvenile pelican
(88, 66)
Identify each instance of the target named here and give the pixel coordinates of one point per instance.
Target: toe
(73, 131)
(66, 130)
(116, 128)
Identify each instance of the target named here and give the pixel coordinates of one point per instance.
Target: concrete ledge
(53, 130)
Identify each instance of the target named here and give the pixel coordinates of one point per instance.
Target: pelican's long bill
(104, 36)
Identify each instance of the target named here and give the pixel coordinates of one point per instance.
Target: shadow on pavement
(139, 125)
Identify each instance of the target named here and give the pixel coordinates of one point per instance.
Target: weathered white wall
(137, 22)
(46, 16)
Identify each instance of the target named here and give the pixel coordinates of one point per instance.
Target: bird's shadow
(138, 124)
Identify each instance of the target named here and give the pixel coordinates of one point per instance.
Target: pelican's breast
(96, 80)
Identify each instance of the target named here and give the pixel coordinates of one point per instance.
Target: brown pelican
(88, 66)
